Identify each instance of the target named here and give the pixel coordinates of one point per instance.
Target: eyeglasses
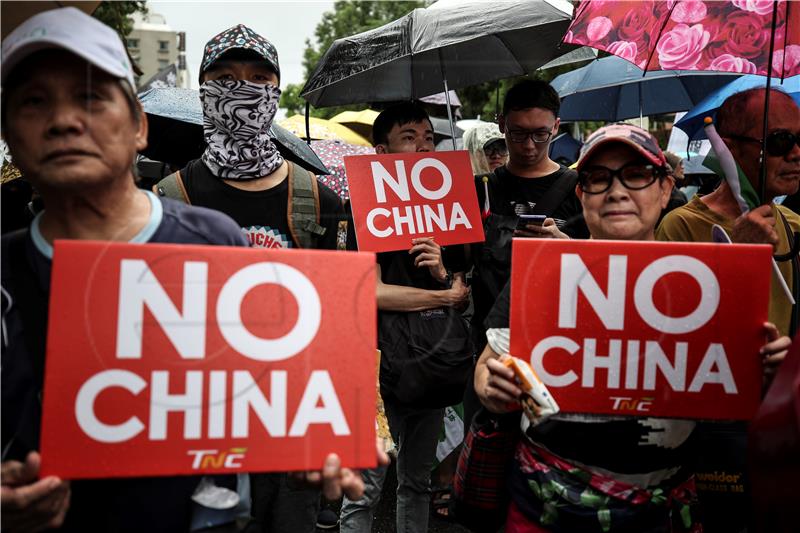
(496, 148)
(538, 136)
(634, 176)
(779, 143)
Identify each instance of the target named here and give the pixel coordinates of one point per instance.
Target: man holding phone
(530, 196)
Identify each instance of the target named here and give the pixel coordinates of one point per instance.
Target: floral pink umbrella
(729, 36)
(747, 36)
(332, 154)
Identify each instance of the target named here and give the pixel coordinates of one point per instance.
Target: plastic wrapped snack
(537, 402)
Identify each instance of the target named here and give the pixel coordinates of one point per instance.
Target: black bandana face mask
(237, 115)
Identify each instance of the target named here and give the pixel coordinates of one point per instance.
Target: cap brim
(47, 43)
(638, 148)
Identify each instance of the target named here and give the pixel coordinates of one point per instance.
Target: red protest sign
(167, 359)
(399, 197)
(642, 328)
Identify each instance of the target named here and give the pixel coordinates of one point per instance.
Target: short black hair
(397, 115)
(732, 117)
(532, 93)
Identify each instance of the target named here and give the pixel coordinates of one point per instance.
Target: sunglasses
(779, 143)
(633, 176)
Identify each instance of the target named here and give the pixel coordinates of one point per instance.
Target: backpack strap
(172, 187)
(303, 207)
(556, 194)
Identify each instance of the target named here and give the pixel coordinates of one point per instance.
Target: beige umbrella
(358, 121)
(323, 129)
(13, 14)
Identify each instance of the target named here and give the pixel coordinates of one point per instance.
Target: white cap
(70, 29)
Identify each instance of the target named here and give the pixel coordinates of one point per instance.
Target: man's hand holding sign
(208, 359)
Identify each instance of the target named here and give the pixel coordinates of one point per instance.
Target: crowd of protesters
(73, 124)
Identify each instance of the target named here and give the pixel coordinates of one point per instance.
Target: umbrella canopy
(358, 121)
(321, 129)
(13, 14)
(692, 122)
(745, 36)
(175, 135)
(686, 34)
(441, 129)
(614, 89)
(442, 99)
(466, 44)
(332, 153)
(565, 148)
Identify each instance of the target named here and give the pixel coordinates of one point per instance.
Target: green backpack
(302, 209)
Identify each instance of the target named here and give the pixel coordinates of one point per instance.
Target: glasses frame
(770, 151)
(529, 135)
(494, 148)
(658, 173)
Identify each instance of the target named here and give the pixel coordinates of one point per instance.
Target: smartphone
(524, 220)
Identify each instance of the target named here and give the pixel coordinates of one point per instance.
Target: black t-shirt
(397, 268)
(262, 215)
(625, 445)
(510, 194)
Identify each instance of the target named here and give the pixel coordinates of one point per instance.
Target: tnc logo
(625, 403)
(217, 458)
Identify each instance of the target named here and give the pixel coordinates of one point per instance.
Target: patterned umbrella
(332, 153)
(729, 36)
(747, 36)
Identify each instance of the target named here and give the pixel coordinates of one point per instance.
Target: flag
(721, 161)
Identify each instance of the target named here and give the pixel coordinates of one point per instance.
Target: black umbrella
(462, 44)
(175, 135)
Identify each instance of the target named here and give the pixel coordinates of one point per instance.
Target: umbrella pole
(447, 100)
(762, 178)
(641, 116)
(308, 123)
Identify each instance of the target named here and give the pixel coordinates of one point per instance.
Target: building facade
(154, 46)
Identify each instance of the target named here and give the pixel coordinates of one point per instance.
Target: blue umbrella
(692, 122)
(176, 131)
(612, 89)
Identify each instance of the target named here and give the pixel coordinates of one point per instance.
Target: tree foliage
(347, 18)
(118, 14)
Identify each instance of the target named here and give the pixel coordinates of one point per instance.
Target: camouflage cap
(241, 37)
(640, 140)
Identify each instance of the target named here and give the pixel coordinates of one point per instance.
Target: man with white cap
(73, 126)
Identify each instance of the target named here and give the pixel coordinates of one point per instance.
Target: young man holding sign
(423, 279)
(577, 472)
(73, 125)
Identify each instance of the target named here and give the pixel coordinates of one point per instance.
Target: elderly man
(73, 125)
(740, 124)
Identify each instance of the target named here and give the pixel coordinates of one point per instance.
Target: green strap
(304, 219)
